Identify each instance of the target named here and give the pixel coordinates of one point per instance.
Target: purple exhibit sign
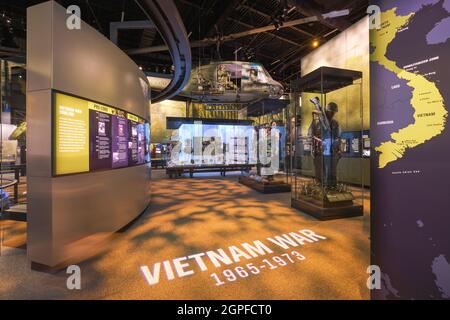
(100, 139)
(119, 140)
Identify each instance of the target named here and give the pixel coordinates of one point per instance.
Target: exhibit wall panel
(348, 50)
(410, 99)
(64, 210)
(39, 64)
(87, 64)
(39, 128)
(159, 112)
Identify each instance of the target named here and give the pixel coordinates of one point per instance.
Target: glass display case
(271, 173)
(203, 144)
(210, 145)
(329, 144)
(13, 140)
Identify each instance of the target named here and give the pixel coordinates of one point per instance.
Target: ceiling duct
(165, 16)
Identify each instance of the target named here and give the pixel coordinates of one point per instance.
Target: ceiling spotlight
(315, 43)
(276, 25)
(276, 21)
(140, 67)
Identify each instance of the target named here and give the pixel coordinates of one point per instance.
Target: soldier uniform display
(325, 145)
(317, 189)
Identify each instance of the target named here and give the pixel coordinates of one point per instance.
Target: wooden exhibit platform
(264, 187)
(16, 212)
(157, 162)
(346, 209)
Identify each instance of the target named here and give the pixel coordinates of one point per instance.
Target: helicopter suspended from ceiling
(234, 81)
(227, 82)
(231, 81)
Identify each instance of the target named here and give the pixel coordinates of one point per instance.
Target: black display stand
(177, 171)
(264, 187)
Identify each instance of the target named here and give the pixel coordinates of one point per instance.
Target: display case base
(35, 266)
(328, 213)
(265, 187)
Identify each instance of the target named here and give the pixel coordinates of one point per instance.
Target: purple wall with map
(410, 101)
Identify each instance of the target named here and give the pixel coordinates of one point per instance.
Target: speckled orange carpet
(196, 216)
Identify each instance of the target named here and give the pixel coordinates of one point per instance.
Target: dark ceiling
(279, 51)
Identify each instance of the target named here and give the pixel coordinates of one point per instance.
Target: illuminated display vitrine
(212, 144)
(328, 143)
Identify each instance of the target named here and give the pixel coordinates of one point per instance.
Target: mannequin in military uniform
(325, 137)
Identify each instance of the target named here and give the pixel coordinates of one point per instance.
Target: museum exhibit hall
(224, 150)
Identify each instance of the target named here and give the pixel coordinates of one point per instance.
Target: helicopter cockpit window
(257, 74)
(263, 76)
(253, 75)
(265, 72)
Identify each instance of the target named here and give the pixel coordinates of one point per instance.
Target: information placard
(100, 139)
(71, 143)
(90, 136)
(119, 140)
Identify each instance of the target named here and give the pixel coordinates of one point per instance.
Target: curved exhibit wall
(67, 213)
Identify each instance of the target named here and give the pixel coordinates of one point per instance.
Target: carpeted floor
(189, 216)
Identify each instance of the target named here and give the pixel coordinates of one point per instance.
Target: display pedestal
(336, 211)
(271, 187)
(35, 266)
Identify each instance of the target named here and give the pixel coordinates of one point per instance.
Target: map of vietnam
(429, 110)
